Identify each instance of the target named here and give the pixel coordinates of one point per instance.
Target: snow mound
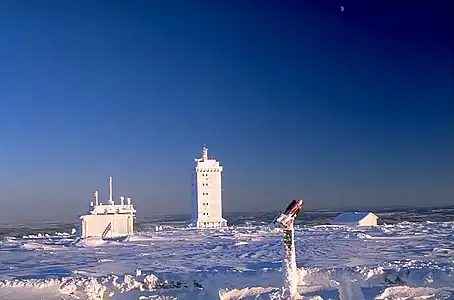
(406, 292)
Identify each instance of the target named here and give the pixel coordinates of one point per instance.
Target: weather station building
(109, 220)
(207, 193)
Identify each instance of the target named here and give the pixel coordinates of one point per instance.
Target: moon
(342, 8)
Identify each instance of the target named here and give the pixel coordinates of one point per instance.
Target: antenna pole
(96, 198)
(205, 153)
(110, 190)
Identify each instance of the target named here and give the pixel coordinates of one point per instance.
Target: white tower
(207, 193)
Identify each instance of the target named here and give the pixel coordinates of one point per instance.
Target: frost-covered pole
(289, 265)
(96, 198)
(285, 221)
(110, 191)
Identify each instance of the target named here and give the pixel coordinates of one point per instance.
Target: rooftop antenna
(96, 198)
(110, 191)
(205, 153)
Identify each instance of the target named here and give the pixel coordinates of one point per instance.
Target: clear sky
(297, 99)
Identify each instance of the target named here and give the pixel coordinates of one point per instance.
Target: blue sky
(296, 99)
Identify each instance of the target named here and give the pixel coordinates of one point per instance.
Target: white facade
(108, 220)
(207, 193)
(106, 226)
(356, 219)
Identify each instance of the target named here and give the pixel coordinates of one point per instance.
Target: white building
(207, 193)
(108, 220)
(356, 219)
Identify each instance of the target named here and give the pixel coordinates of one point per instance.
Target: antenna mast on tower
(205, 153)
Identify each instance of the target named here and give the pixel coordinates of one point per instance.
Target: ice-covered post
(110, 191)
(289, 264)
(96, 198)
(205, 153)
(285, 221)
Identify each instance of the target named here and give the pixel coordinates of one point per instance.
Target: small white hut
(108, 220)
(356, 219)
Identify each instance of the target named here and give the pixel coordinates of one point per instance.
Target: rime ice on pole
(285, 221)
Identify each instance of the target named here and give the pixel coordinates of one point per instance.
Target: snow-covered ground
(401, 261)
